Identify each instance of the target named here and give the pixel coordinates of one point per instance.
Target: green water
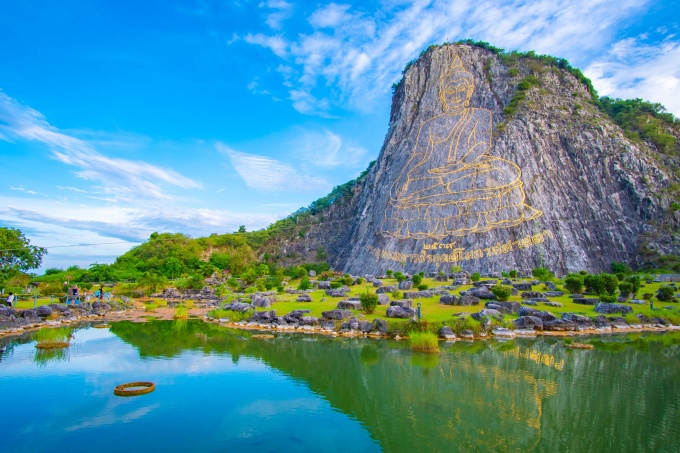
(222, 390)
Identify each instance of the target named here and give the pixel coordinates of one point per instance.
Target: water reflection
(268, 394)
(43, 356)
(521, 395)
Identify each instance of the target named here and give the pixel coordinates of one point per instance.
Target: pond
(224, 390)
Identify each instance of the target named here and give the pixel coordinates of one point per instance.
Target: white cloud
(634, 69)
(22, 189)
(359, 53)
(270, 175)
(276, 44)
(123, 179)
(326, 149)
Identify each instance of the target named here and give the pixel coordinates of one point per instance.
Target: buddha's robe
(451, 186)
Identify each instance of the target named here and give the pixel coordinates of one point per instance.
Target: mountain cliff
(497, 161)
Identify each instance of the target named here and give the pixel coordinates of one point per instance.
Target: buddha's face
(455, 93)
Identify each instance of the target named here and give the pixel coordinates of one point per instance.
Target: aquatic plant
(43, 356)
(219, 313)
(424, 342)
(181, 313)
(150, 307)
(189, 303)
(52, 338)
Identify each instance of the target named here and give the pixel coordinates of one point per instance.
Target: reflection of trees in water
(479, 396)
(44, 356)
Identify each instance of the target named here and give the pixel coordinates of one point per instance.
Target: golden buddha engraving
(451, 186)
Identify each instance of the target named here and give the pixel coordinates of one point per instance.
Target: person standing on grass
(101, 292)
(10, 299)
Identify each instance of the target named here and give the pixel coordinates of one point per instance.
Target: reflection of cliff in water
(530, 395)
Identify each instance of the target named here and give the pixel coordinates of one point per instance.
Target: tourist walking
(10, 299)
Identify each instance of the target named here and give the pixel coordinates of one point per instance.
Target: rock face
(463, 181)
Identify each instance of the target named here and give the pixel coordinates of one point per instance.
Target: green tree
(16, 253)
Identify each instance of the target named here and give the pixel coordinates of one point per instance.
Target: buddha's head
(456, 88)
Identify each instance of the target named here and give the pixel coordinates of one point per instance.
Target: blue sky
(118, 118)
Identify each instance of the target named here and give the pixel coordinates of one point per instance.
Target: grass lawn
(433, 311)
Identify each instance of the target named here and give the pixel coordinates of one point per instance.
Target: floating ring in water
(134, 388)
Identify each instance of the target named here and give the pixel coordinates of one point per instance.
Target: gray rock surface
(396, 311)
(349, 305)
(336, 314)
(610, 309)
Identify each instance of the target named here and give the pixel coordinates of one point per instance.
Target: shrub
(218, 313)
(574, 283)
(665, 294)
(625, 288)
(417, 279)
(396, 294)
(305, 284)
(631, 319)
(647, 296)
(279, 289)
(250, 290)
(635, 282)
(51, 289)
(671, 316)
(455, 269)
(542, 273)
(461, 323)
(424, 341)
(611, 283)
(594, 284)
(399, 277)
(475, 277)
(607, 298)
(336, 285)
(222, 290)
(360, 280)
(584, 273)
(189, 303)
(619, 268)
(501, 292)
(150, 307)
(389, 272)
(233, 283)
(346, 280)
(369, 302)
(422, 287)
(237, 316)
(513, 273)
